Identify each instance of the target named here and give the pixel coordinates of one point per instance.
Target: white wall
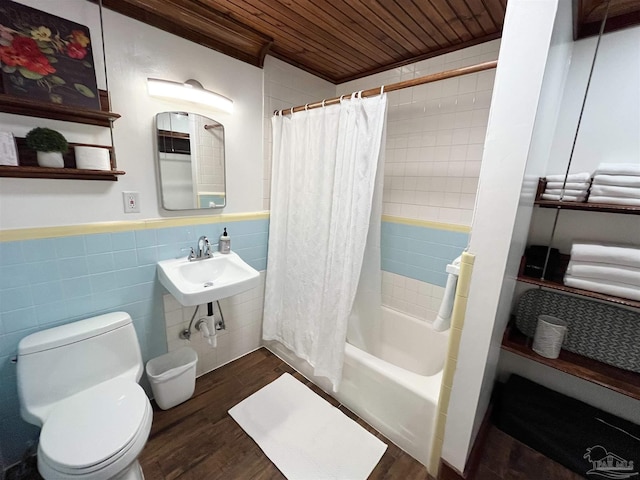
(521, 68)
(609, 133)
(135, 52)
(554, 81)
(610, 128)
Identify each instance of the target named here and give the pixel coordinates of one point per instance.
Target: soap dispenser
(224, 244)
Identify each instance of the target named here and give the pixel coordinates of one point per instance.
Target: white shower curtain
(323, 178)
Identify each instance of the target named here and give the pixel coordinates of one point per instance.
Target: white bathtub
(394, 385)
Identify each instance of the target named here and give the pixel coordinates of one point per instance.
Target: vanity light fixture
(191, 91)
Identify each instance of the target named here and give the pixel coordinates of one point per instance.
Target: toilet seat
(95, 433)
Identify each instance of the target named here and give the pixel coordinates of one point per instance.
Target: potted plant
(49, 145)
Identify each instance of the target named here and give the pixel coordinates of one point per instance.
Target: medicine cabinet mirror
(191, 166)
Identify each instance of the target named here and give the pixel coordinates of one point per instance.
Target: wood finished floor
(505, 458)
(199, 440)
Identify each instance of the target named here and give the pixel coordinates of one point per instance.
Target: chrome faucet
(204, 248)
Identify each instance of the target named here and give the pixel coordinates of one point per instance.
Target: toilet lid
(94, 425)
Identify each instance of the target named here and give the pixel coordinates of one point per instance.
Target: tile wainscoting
(52, 276)
(56, 275)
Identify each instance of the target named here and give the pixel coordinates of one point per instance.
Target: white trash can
(173, 377)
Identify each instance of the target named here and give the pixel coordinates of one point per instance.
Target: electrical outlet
(131, 202)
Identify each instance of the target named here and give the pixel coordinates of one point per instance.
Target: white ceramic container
(92, 158)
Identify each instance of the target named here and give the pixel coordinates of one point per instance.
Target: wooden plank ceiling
(337, 40)
(340, 40)
(590, 13)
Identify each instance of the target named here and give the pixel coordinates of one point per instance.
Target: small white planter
(92, 158)
(50, 159)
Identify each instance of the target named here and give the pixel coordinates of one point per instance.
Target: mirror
(190, 161)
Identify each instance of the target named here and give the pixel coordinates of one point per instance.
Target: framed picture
(46, 58)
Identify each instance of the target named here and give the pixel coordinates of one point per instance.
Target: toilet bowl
(95, 417)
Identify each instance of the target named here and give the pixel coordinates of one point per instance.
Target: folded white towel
(619, 180)
(618, 169)
(566, 198)
(615, 200)
(610, 288)
(571, 185)
(605, 271)
(592, 252)
(572, 177)
(558, 191)
(611, 191)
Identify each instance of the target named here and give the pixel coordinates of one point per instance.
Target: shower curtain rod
(434, 77)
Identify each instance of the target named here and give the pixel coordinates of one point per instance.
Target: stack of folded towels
(575, 189)
(617, 183)
(606, 269)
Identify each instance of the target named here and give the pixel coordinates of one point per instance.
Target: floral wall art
(46, 58)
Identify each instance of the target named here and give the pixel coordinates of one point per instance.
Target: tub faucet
(204, 248)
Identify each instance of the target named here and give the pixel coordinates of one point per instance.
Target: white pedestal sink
(203, 281)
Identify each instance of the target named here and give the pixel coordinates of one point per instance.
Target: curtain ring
(381, 89)
(323, 102)
(341, 97)
(359, 94)
(306, 107)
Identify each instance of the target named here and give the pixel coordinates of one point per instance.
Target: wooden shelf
(590, 207)
(29, 167)
(613, 378)
(585, 206)
(578, 291)
(172, 134)
(54, 111)
(68, 173)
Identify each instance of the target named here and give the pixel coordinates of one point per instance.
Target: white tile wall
(413, 297)
(435, 140)
(243, 333)
(211, 153)
(435, 136)
(435, 132)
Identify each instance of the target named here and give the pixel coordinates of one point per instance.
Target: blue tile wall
(49, 282)
(420, 252)
(205, 200)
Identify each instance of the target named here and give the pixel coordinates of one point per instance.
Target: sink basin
(203, 281)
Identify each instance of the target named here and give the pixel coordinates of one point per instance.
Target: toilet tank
(54, 364)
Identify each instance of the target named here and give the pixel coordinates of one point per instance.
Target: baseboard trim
(448, 472)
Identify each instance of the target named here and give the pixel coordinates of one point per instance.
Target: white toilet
(79, 383)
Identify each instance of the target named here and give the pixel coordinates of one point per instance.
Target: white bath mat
(304, 436)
